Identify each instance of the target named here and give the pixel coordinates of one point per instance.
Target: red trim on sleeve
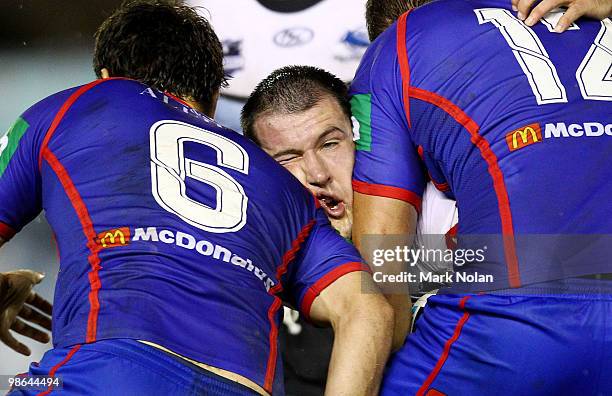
(326, 280)
(434, 373)
(381, 190)
(402, 53)
(58, 366)
(90, 234)
(6, 231)
(288, 257)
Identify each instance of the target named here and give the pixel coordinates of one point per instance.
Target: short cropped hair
(380, 14)
(163, 44)
(290, 90)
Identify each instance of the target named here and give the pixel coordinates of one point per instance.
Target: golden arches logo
(523, 137)
(115, 237)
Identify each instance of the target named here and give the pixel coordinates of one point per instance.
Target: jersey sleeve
(324, 257)
(20, 178)
(387, 163)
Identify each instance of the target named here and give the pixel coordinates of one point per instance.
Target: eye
(330, 144)
(286, 160)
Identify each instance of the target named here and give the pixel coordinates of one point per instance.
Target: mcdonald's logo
(113, 238)
(525, 136)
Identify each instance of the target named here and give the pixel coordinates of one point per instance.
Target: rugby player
(179, 240)
(301, 116)
(461, 111)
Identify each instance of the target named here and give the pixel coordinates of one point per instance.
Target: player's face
(316, 146)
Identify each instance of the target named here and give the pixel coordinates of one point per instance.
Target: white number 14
(594, 75)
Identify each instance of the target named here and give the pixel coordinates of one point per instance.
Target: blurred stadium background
(45, 46)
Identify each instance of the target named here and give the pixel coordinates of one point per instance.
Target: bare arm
(363, 324)
(385, 216)
(598, 9)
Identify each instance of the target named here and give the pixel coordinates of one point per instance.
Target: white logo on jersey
(203, 247)
(592, 129)
(356, 129)
(3, 143)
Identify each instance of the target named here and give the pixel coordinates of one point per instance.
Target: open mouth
(334, 207)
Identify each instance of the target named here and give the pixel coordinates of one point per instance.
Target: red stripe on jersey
(451, 236)
(61, 113)
(288, 257)
(78, 205)
(487, 154)
(381, 190)
(326, 280)
(403, 63)
(6, 232)
(435, 392)
(499, 184)
(90, 235)
(57, 367)
(434, 373)
(64, 109)
(420, 151)
(181, 101)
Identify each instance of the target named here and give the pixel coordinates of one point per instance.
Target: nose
(316, 171)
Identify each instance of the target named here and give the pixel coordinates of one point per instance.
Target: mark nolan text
(430, 277)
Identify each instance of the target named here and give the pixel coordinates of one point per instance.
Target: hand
(598, 9)
(17, 302)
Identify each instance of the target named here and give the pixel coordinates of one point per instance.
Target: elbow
(386, 316)
(380, 317)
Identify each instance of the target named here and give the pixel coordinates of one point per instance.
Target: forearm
(362, 343)
(392, 218)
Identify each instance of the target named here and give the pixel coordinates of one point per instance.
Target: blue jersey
(513, 122)
(170, 228)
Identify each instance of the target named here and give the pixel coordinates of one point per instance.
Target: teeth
(330, 203)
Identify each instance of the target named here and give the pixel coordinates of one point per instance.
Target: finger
(542, 9)
(22, 328)
(572, 13)
(524, 6)
(32, 276)
(36, 317)
(40, 303)
(515, 5)
(12, 343)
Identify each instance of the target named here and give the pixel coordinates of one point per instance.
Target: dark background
(48, 22)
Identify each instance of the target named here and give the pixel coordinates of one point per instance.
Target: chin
(344, 225)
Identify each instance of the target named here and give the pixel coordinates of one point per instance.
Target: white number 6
(170, 168)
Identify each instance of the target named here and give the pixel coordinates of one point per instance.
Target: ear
(104, 73)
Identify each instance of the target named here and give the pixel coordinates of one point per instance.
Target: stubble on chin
(344, 225)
